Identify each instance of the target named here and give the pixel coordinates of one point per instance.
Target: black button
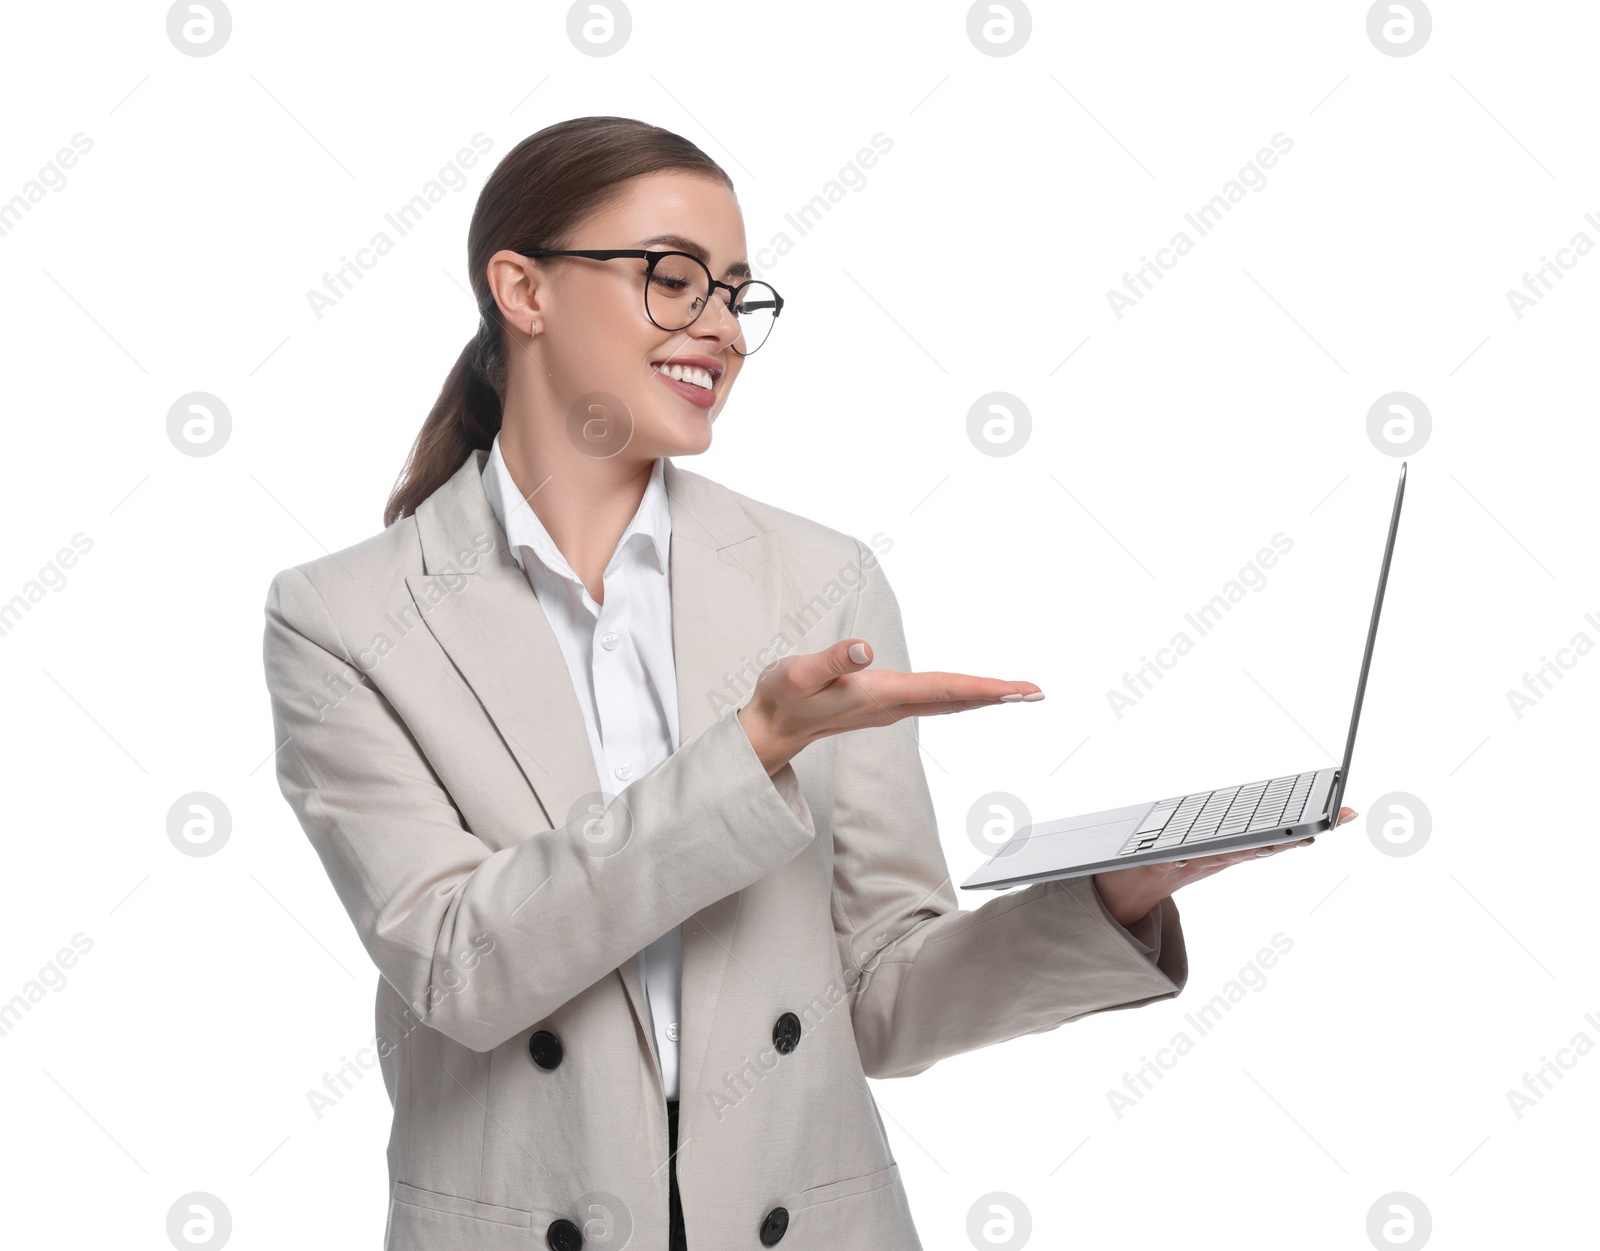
(786, 1033)
(545, 1048)
(773, 1226)
(563, 1235)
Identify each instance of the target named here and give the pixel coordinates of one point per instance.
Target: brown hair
(535, 198)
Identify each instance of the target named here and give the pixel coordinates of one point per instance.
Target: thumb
(845, 656)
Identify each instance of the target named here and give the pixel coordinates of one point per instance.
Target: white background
(1230, 404)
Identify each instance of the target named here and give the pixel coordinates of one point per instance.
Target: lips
(699, 396)
(702, 397)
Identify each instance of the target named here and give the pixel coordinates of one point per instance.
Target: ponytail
(464, 418)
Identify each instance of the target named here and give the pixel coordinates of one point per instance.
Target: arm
(929, 979)
(422, 890)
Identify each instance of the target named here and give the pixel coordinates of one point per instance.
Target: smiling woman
(605, 899)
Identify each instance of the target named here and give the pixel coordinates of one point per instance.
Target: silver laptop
(1229, 818)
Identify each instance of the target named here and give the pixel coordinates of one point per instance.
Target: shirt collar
(652, 521)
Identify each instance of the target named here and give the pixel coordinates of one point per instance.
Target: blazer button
(773, 1226)
(545, 1048)
(786, 1036)
(563, 1235)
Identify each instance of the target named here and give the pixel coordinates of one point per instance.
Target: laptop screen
(1366, 659)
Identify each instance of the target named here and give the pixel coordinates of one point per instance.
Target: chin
(682, 433)
(689, 443)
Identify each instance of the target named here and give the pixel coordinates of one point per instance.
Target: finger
(939, 708)
(812, 671)
(1223, 859)
(894, 688)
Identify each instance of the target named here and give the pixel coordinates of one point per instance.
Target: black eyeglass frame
(654, 258)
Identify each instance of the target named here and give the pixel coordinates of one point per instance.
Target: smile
(696, 382)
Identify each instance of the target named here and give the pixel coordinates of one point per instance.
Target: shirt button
(672, 1031)
(623, 771)
(609, 640)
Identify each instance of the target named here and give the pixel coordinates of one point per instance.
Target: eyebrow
(739, 269)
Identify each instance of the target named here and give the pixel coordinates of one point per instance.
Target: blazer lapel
(725, 586)
(489, 622)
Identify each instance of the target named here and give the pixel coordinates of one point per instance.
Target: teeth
(682, 373)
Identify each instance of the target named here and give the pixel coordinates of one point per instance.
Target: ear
(517, 285)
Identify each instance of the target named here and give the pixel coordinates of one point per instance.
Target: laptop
(1230, 818)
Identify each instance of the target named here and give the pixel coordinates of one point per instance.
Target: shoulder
(367, 577)
(794, 535)
(807, 545)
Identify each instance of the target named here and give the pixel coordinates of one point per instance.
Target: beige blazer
(435, 755)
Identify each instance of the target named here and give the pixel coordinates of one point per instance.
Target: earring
(533, 330)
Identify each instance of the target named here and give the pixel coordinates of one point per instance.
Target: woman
(613, 770)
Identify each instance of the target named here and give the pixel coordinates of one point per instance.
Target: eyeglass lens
(680, 287)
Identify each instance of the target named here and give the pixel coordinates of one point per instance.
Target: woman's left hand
(1130, 893)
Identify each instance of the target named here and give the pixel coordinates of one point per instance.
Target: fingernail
(858, 653)
(1033, 697)
(1011, 699)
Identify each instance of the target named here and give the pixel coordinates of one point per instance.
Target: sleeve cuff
(785, 782)
(1145, 933)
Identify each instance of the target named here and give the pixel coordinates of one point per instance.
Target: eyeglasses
(678, 288)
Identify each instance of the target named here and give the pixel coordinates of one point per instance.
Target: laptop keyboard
(1243, 809)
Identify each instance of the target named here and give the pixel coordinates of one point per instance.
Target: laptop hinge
(1321, 792)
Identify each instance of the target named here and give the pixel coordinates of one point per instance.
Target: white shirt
(627, 686)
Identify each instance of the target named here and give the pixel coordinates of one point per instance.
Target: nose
(718, 322)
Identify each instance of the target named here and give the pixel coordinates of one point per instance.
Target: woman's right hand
(800, 699)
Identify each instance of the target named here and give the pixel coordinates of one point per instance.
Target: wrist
(1124, 909)
(770, 748)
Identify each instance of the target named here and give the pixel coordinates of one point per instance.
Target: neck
(585, 502)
